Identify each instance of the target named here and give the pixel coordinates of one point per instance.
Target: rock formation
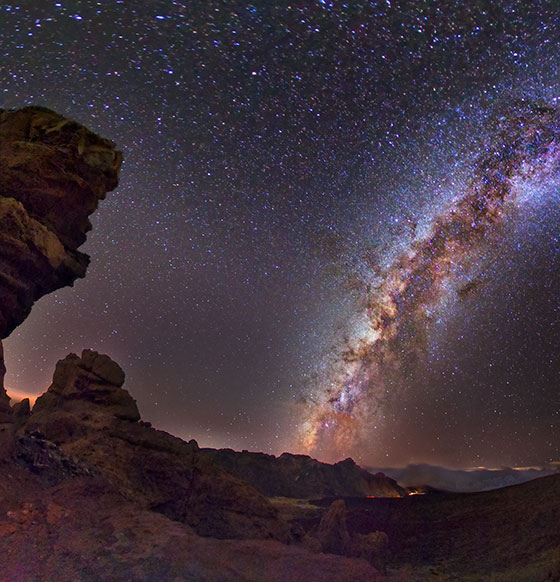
(334, 538)
(53, 174)
(79, 530)
(88, 414)
(300, 476)
(5, 412)
(332, 533)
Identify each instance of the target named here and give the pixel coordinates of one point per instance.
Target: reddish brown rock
(83, 389)
(57, 169)
(332, 533)
(81, 529)
(94, 420)
(53, 173)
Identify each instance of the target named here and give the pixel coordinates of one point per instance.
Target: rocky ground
(506, 535)
(77, 528)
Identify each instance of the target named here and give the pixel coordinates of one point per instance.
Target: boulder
(89, 386)
(332, 532)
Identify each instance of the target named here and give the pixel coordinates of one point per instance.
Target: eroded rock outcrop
(332, 532)
(5, 412)
(88, 414)
(85, 392)
(334, 538)
(53, 173)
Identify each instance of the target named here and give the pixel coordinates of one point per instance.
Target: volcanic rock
(302, 477)
(92, 418)
(372, 547)
(332, 533)
(83, 387)
(21, 411)
(5, 411)
(53, 174)
(45, 459)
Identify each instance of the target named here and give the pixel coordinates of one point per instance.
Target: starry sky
(336, 230)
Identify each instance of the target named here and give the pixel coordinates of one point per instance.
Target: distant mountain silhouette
(480, 479)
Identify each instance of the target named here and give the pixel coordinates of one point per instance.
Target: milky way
(526, 147)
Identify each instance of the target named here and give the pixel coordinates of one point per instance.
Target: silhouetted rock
(302, 477)
(21, 411)
(372, 547)
(87, 413)
(5, 410)
(53, 173)
(332, 533)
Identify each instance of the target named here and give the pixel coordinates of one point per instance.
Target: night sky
(337, 226)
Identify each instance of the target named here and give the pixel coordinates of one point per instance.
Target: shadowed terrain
(505, 534)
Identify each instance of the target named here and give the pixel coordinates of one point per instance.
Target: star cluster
(286, 166)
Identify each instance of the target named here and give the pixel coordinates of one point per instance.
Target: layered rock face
(88, 414)
(53, 173)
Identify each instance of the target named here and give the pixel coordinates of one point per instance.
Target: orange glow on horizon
(19, 395)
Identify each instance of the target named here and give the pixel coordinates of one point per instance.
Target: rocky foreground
(93, 493)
